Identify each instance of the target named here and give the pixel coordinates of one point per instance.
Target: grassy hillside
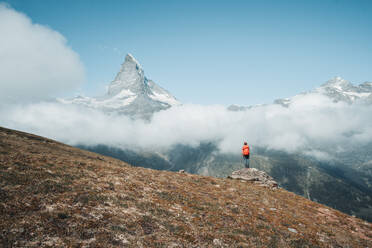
(339, 186)
(53, 195)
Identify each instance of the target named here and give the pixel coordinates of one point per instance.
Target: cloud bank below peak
(36, 62)
(302, 127)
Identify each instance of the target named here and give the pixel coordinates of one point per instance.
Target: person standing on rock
(246, 153)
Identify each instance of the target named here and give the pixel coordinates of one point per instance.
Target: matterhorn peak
(130, 93)
(129, 58)
(130, 77)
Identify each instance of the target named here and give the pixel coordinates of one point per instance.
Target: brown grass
(53, 195)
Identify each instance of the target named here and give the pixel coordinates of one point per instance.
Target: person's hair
(245, 143)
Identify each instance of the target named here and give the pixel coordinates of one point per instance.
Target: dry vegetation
(53, 195)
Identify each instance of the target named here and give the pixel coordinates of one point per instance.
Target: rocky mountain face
(130, 93)
(54, 195)
(337, 89)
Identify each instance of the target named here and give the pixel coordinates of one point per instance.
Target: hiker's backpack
(245, 150)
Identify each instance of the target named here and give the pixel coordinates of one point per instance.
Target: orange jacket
(245, 150)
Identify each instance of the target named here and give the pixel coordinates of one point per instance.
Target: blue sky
(216, 52)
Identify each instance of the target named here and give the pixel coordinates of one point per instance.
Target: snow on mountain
(337, 89)
(130, 77)
(161, 95)
(341, 90)
(130, 93)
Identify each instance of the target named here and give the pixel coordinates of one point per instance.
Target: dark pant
(246, 160)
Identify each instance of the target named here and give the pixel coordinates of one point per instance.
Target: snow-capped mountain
(337, 89)
(341, 90)
(130, 93)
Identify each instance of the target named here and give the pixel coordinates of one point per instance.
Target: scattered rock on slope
(254, 175)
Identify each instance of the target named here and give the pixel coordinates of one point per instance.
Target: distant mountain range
(337, 89)
(132, 93)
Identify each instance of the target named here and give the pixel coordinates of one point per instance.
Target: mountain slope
(337, 89)
(130, 93)
(53, 195)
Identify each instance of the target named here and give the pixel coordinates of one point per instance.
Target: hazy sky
(215, 52)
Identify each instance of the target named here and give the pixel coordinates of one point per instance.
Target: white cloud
(301, 127)
(35, 61)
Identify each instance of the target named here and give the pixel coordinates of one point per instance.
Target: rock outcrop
(256, 176)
